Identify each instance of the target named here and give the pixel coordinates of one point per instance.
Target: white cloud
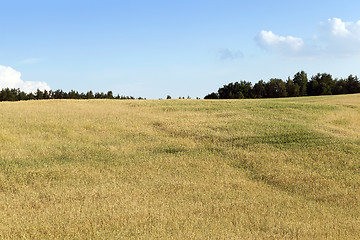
(338, 27)
(339, 38)
(336, 38)
(10, 78)
(267, 39)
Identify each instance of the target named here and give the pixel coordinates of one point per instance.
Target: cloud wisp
(335, 38)
(228, 54)
(10, 78)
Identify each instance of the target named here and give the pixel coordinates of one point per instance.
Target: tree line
(15, 94)
(299, 85)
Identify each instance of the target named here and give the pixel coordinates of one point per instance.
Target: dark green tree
(275, 88)
(353, 84)
(236, 90)
(46, 94)
(320, 84)
(212, 95)
(340, 87)
(293, 89)
(301, 80)
(259, 90)
(39, 94)
(90, 95)
(109, 95)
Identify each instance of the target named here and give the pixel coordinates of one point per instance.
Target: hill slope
(271, 168)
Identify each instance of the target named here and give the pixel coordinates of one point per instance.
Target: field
(181, 169)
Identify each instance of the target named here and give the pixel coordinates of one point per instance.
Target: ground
(183, 169)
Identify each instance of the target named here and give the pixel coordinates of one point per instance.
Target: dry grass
(182, 169)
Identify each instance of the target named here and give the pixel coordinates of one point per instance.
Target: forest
(15, 94)
(299, 85)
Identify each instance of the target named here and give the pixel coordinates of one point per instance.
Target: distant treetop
(14, 94)
(299, 85)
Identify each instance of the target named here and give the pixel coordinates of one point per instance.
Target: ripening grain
(181, 169)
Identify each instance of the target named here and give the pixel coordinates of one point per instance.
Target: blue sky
(181, 48)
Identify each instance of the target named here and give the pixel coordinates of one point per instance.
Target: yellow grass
(181, 169)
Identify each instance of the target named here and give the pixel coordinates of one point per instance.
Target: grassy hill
(184, 169)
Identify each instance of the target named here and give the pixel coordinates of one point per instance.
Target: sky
(155, 48)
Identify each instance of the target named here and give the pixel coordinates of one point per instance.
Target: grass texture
(181, 169)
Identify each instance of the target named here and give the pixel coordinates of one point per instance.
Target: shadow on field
(283, 140)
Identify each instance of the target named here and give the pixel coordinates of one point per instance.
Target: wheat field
(181, 169)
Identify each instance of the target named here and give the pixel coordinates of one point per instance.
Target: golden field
(181, 169)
